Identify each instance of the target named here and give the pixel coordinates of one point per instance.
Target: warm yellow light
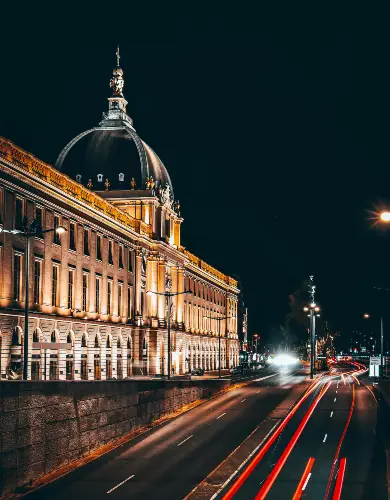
(60, 230)
(316, 309)
(305, 309)
(385, 216)
(366, 316)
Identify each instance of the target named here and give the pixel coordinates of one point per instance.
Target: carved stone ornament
(117, 82)
(121, 177)
(166, 197)
(133, 183)
(168, 283)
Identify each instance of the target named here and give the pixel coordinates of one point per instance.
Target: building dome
(113, 150)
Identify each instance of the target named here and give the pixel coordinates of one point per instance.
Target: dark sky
(275, 136)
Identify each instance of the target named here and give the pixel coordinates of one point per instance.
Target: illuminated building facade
(98, 288)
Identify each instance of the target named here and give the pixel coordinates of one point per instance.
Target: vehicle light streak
(339, 445)
(267, 485)
(244, 476)
(304, 479)
(340, 478)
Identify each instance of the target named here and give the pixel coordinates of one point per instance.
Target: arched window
(35, 336)
(108, 342)
(84, 341)
(119, 344)
(128, 343)
(96, 341)
(53, 337)
(69, 339)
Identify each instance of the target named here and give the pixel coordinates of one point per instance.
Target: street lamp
(385, 216)
(313, 311)
(169, 296)
(255, 337)
(218, 319)
(367, 316)
(29, 231)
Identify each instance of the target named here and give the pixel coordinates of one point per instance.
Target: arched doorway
(53, 366)
(84, 357)
(97, 374)
(36, 367)
(108, 358)
(16, 352)
(119, 364)
(129, 358)
(70, 357)
(144, 357)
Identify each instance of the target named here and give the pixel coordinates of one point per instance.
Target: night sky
(276, 140)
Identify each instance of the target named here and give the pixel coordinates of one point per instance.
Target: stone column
(161, 289)
(137, 286)
(175, 298)
(180, 298)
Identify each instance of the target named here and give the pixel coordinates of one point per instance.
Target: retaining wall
(45, 425)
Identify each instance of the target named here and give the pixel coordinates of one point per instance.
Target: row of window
(204, 292)
(86, 283)
(20, 211)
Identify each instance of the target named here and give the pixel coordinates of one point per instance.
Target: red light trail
(303, 482)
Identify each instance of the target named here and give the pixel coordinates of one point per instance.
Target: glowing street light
(385, 216)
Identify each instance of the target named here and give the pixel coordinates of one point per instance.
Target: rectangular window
(121, 257)
(54, 286)
(120, 299)
(109, 296)
(110, 252)
(71, 289)
(17, 277)
(37, 281)
(129, 302)
(130, 261)
(99, 247)
(19, 213)
(56, 224)
(1, 205)
(85, 291)
(72, 236)
(97, 295)
(39, 218)
(86, 242)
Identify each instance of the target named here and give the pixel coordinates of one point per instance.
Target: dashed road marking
(221, 416)
(243, 400)
(331, 414)
(189, 437)
(120, 484)
(326, 435)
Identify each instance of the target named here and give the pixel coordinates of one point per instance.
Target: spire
(117, 57)
(116, 114)
(117, 82)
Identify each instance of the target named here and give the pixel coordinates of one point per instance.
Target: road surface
(330, 448)
(174, 458)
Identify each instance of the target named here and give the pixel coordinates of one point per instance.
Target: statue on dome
(152, 182)
(107, 185)
(147, 183)
(166, 197)
(176, 207)
(159, 191)
(89, 185)
(117, 82)
(133, 183)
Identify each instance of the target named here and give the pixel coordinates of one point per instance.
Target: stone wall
(45, 425)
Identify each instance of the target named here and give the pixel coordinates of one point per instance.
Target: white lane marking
(331, 414)
(263, 378)
(326, 435)
(334, 400)
(336, 392)
(257, 392)
(120, 484)
(243, 400)
(221, 488)
(221, 416)
(189, 437)
(307, 480)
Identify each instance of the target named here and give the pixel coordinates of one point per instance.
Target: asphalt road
(174, 458)
(337, 425)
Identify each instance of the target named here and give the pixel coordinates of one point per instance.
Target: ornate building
(98, 288)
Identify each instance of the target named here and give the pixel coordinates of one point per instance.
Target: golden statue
(133, 184)
(147, 183)
(107, 184)
(152, 182)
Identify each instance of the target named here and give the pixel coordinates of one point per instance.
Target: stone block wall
(46, 425)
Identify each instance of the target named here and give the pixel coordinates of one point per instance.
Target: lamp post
(218, 319)
(367, 316)
(169, 296)
(312, 309)
(29, 231)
